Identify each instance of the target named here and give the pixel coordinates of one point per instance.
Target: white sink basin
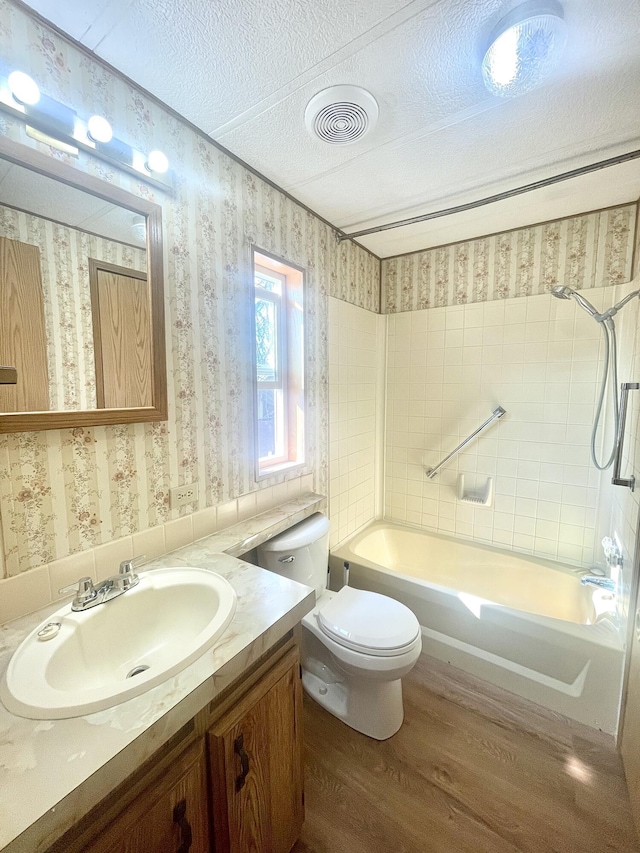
(119, 649)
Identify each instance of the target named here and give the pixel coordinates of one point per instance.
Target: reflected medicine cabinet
(81, 298)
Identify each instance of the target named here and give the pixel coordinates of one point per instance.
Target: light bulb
(157, 162)
(23, 88)
(526, 47)
(99, 129)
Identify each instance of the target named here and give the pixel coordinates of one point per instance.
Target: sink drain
(137, 670)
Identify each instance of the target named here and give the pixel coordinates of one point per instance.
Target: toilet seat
(368, 622)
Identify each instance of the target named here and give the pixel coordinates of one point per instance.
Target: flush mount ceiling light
(524, 48)
(23, 88)
(341, 115)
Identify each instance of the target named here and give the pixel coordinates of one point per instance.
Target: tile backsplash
(29, 591)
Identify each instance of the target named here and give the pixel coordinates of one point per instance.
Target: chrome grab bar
(617, 480)
(496, 414)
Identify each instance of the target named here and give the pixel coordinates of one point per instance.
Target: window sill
(279, 468)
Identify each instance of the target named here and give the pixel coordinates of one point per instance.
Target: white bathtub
(524, 624)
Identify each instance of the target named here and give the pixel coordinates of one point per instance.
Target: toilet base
(371, 707)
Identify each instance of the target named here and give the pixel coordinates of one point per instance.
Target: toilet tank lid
(300, 535)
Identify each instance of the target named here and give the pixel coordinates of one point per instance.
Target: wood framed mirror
(81, 298)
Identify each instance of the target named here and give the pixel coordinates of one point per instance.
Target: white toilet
(356, 645)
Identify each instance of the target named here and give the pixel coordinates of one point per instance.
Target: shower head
(563, 292)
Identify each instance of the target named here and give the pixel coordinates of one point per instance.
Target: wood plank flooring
(472, 770)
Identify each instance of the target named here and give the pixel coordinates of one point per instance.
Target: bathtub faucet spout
(603, 583)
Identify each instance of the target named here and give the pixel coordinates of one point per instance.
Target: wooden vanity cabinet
(170, 817)
(230, 781)
(255, 755)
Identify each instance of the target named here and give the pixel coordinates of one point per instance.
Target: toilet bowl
(356, 645)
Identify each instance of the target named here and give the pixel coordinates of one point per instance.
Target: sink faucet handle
(128, 577)
(84, 590)
(127, 566)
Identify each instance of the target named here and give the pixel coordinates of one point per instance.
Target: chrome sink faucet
(88, 595)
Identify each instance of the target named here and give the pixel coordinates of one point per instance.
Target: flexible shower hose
(610, 355)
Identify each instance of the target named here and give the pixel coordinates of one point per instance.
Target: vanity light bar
(21, 97)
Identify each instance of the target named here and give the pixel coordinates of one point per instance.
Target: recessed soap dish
(480, 494)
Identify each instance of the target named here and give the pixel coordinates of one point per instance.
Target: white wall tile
(356, 379)
(538, 357)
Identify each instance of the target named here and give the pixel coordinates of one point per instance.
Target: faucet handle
(128, 577)
(84, 590)
(127, 566)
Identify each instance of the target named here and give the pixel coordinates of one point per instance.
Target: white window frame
(280, 383)
(294, 446)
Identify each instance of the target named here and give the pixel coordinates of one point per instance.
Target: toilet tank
(301, 553)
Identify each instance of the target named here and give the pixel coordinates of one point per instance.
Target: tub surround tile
(46, 781)
(356, 415)
(545, 371)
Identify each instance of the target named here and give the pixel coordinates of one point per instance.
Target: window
(279, 363)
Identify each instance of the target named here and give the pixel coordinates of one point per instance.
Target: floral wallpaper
(592, 250)
(63, 491)
(64, 256)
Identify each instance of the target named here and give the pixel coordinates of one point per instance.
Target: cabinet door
(256, 766)
(23, 337)
(169, 817)
(121, 312)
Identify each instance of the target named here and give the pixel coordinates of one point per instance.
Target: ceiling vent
(341, 114)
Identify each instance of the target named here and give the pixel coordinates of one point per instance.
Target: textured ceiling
(244, 71)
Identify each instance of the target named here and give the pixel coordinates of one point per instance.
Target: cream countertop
(53, 772)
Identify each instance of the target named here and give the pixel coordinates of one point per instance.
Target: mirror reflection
(75, 307)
